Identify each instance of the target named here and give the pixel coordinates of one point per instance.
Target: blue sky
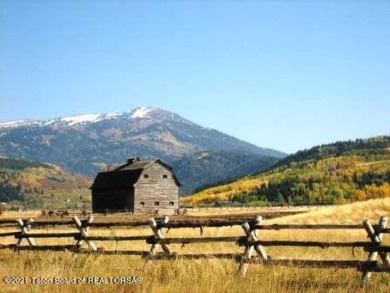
(281, 74)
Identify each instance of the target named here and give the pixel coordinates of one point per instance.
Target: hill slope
(211, 167)
(334, 173)
(37, 185)
(353, 213)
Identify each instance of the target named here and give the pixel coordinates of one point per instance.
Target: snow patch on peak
(141, 112)
(72, 120)
(112, 115)
(14, 124)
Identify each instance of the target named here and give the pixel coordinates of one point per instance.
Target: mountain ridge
(143, 112)
(88, 143)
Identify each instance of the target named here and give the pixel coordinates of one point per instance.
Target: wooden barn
(137, 186)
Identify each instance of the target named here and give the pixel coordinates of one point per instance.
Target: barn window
(156, 203)
(171, 203)
(142, 203)
(165, 176)
(146, 176)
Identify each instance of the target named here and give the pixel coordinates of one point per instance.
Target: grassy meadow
(203, 275)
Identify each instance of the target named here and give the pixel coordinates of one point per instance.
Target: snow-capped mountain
(16, 123)
(71, 120)
(138, 113)
(88, 143)
(142, 112)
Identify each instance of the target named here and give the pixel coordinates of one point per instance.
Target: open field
(204, 275)
(343, 214)
(192, 212)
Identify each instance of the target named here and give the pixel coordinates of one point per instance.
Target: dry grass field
(112, 273)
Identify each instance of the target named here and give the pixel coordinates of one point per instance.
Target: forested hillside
(334, 173)
(37, 185)
(209, 168)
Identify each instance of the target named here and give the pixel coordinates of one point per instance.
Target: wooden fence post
(25, 230)
(158, 235)
(375, 237)
(250, 247)
(83, 229)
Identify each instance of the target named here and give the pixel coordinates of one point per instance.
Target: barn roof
(117, 179)
(133, 164)
(126, 175)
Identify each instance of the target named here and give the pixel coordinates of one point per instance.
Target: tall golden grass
(207, 275)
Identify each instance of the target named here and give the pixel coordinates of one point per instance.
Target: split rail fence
(254, 251)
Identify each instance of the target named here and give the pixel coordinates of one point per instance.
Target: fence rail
(254, 247)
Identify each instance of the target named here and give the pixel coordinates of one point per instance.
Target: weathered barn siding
(156, 190)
